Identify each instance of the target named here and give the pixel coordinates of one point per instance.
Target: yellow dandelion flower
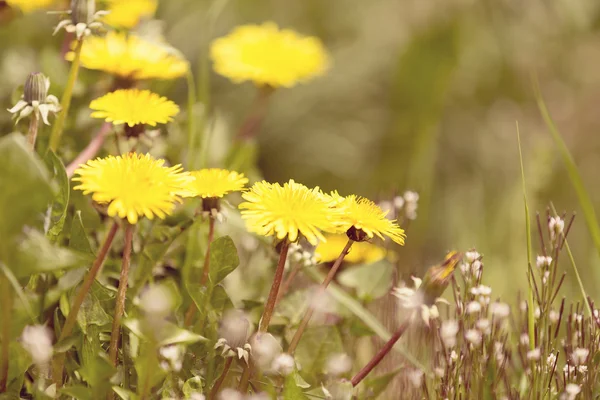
(365, 216)
(131, 57)
(216, 183)
(269, 56)
(28, 6)
(134, 107)
(288, 211)
(133, 185)
(128, 13)
(360, 252)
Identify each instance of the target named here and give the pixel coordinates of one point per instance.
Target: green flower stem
(6, 308)
(34, 125)
(121, 293)
(83, 291)
(269, 307)
(65, 102)
(380, 355)
(322, 288)
(189, 315)
(215, 389)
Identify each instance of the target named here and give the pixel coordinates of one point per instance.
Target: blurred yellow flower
(361, 252)
(131, 57)
(134, 107)
(133, 185)
(365, 216)
(128, 13)
(214, 182)
(28, 6)
(288, 211)
(269, 56)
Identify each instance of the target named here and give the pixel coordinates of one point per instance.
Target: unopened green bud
(36, 88)
(82, 11)
(438, 277)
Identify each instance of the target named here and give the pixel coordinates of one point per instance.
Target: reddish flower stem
(272, 299)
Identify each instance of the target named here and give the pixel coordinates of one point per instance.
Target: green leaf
(79, 392)
(317, 345)
(223, 259)
(124, 394)
(377, 385)
(164, 333)
(371, 281)
(92, 313)
(55, 220)
(36, 254)
(192, 385)
(78, 239)
(26, 190)
(220, 300)
(97, 371)
(291, 390)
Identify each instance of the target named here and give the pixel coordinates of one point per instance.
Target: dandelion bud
(36, 88)
(82, 11)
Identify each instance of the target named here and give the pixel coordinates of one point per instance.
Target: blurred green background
(422, 95)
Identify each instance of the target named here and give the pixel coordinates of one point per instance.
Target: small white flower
(473, 336)
(472, 256)
(580, 355)
(550, 360)
(543, 262)
(439, 372)
(569, 369)
(284, 364)
(499, 310)
(582, 369)
(338, 364)
(473, 307)
(453, 356)
(556, 226)
(230, 394)
(197, 396)
(387, 207)
(264, 349)
(415, 377)
(524, 339)
(484, 326)
(553, 316)
(534, 355)
(499, 352)
(481, 290)
(37, 340)
(572, 390)
(258, 396)
(174, 355)
(537, 313)
(448, 332)
(398, 202)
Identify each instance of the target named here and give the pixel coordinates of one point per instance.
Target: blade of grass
(363, 314)
(530, 311)
(583, 196)
(579, 281)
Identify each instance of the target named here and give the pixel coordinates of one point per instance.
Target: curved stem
(65, 101)
(91, 150)
(6, 307)
(270, 305)
(322, 288)
(33, 130)
(215, 389)
(78, 301)
(122, 291)
(288, 282)
(380, 355)
(205, 270)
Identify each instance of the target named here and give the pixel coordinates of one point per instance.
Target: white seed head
(481, 290)
(534, 355)
(582, 369)
(37, 340)
(543, 262)
(572, 390)
(473, 307)
(284, 364)
(473, 336)
(338, 364)
(448, 332)
(499, 310)
(472, 256)
(484, 326)
(580, 355)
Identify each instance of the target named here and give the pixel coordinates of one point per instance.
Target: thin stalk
(91, 150)
(34, 125)
(288, 282)
(6, 306)
(322, 288)
(189, 315)
(78, 301)
(270, 305)
(122, 291)
(380, 355)
(194, 139)
(245, 379)
(215, 389)
(65, 102)
(255, 117)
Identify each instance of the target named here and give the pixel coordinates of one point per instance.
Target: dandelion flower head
(268, 55)
(128, 13)
(216, 183)
(361, 252)
(28, 6)
(364, 215)
(288, 211)
(131, 57)
(134, 107)
(133, 185)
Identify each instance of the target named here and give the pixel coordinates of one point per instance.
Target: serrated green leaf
(223, 259)
(164, 333)
(55, 219)
(371, 281)
(96, 371)
(27, 190)
(78, 240)
(291, 390)
(192, 385)
(92, 313)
